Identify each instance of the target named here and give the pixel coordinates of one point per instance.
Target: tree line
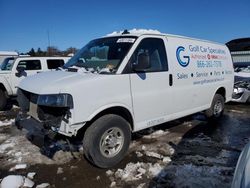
(51, 51)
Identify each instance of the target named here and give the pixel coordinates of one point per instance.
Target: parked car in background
(242, 171)
(241, 91)
(14, 69)
(6, 54)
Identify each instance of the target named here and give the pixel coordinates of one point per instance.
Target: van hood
(55, 81)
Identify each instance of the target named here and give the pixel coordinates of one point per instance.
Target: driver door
(151, 89)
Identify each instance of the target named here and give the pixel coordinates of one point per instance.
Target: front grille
(23, 99)
(33, 98)
(50, 116)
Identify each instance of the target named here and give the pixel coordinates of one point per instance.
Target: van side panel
(199, 69)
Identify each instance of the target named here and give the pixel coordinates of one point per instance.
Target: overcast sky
(26, 23)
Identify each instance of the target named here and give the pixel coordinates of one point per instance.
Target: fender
(6, 85)
(105, 107)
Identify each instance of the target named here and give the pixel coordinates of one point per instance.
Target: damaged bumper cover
(241, 92)
(52, 112)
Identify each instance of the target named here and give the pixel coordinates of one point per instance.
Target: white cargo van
(14, 69)
(127, 82)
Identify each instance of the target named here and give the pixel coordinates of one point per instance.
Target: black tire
(108, 131)
(3, 100)
(217, 108)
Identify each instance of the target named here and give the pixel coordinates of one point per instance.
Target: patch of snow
(141, 170)
(109, 173)
(166, 160)
(136, 31)
(28, 183)
(5, 146)
(31, 175)
(156, 134)
(2, 137)
(130, 173)
(59, 170)
(73, 167)
(18, 167)
(153, 154)
(138, 154)
(14, 106)
(135, 171)
(155, 169)
(98, 178)
(143, 147)
(113, 184)
(17, 154)
(9, 152)
(19, 159)
(12, 181)
(171, 150)
(141, 185)
(43, 185)
(6, 122)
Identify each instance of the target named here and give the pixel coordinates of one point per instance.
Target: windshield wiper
(81, 65)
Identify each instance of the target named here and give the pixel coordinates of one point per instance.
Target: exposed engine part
(243, 84)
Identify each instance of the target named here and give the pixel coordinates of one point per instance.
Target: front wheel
(107, 140)
(3, 100)
(217, 108)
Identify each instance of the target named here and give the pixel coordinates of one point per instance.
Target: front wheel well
(2, 87)
(120, 111)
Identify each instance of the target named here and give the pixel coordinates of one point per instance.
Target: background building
(240, 50)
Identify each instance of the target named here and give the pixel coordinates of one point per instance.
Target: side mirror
(20, 71)
(143, 63)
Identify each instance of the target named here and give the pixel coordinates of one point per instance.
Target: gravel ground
(188, 152)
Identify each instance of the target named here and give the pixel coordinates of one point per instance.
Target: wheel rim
(111, 142)
(218, 107)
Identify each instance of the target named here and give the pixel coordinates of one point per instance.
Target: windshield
(102, 55)
(7, 63)
(242, 67)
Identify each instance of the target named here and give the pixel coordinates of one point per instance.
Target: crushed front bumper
(241, 95)
(37, 133)
(57, 119)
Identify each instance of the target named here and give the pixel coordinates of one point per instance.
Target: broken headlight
(239, 90)
(55, 100)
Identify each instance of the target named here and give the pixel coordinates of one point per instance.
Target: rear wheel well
(222, 92)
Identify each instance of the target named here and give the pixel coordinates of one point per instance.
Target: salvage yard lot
(189, 152)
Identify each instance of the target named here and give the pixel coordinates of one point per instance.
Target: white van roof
(139, 32)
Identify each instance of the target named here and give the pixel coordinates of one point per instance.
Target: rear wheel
(107, 140)
(217, 108)
(3, 100)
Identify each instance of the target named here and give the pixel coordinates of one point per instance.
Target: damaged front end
(241, 91)
(52, 113)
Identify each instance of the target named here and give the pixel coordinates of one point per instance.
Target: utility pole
(48, 42)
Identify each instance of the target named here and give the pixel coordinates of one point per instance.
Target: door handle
(170, 80)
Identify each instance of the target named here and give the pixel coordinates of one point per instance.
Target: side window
(155, 48)
(30, 64)
(55, 63)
